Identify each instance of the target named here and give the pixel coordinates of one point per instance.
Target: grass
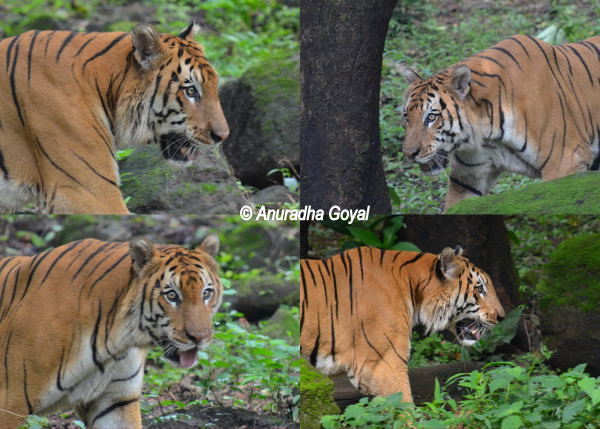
(429, 37)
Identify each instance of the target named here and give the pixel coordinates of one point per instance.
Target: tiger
(358, 308)
(71, 99)
(77, 321)
(522, 106)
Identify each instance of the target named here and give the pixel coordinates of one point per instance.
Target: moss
(316, 397)
(572, 277)
(576, 194)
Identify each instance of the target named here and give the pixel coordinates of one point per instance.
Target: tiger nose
(198, 335)
(412, 154)
(219, 135)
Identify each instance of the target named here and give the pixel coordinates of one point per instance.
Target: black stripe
(35, 34)
(508, 53)
(465, 186)
(580, 59)
(303, 281)
(13, 87)
(94, 339)
(410, 261)
(83, 46)
(315, 350)
(3, 166)
(53, 264)
(113, 407)
(105, 50)
(485, 57)
(87, 260)
(467, 164)
(9, 50)
(54, 164)
(105, 273)
(33, 267)
(335, 290)
(396, 351)
(362, 326)
(521, 45)
(131, 377)
(65, 43)
(350, 285)
(29, 407)
(112, 182)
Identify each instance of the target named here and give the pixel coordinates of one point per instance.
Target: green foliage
(316, 396)
(572, 276)
(380, 232)
(501, 395)
(433, 349)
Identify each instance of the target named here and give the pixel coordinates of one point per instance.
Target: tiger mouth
(469, 331)
(435, 164)
(180, 148)
(181, 358)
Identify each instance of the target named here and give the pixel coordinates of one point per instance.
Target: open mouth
(436, 164)
(468, 331)
(184, 359)
(178, 147)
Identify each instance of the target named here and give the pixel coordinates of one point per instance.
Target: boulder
(570, 303)
(276, 194)
(263, 112)
(259, 297)
(576, 194)
(152, 184)
(316, 397)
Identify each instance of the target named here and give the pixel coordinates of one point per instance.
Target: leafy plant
(502, 395)
(380, 231)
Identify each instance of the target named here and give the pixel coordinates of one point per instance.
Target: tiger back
(358, 308)
(76, 323)
(71, 99)
(522, 106)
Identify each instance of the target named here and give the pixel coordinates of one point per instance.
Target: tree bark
(341, 52)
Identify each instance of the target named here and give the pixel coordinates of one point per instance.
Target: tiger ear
(408, 74)
(147, 50)
(189, 32)
(141, 253)
(460, 80)
(450, 266)
(210, 244)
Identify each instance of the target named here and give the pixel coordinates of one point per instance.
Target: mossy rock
(152, 184)
(572, 276)
(263, 112)
(316, 397)
(260, 297)
(570, 303)
(576, 194)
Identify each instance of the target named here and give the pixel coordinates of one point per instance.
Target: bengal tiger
(76, 323)
(71, 99)
(358, 308)
(521, 106)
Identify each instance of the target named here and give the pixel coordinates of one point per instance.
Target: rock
(152, 184)
(576, 194)
(422, 383)
(259, 297)
(274, 194)
(198, 416)
(263, 112)
(570, 287)
(316, 397)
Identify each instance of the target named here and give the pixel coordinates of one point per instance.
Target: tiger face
(436, 124)
(464, 301)
(182, 99)
(181, 292)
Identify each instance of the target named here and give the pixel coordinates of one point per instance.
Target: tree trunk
(340, 62)
(484, 240)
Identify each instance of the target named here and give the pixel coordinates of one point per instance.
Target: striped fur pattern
(71, 99)
(76, 323)
(521, 106)
(358, 309)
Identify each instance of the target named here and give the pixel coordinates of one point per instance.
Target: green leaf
(365, 236)
(405, 245)
(512, 422)
(572, 409)
(499, 383)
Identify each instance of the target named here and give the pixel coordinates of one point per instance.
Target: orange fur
(357, 310)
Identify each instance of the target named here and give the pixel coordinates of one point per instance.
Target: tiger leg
(469, 182)
(11, 419)
(106, 200)
(118, 406)
(383, 379)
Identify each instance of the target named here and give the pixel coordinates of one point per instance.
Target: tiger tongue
(187, 358)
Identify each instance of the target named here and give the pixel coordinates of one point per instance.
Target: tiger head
(434, 117)
(180, 293)
(463, 299)
(180, 103)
